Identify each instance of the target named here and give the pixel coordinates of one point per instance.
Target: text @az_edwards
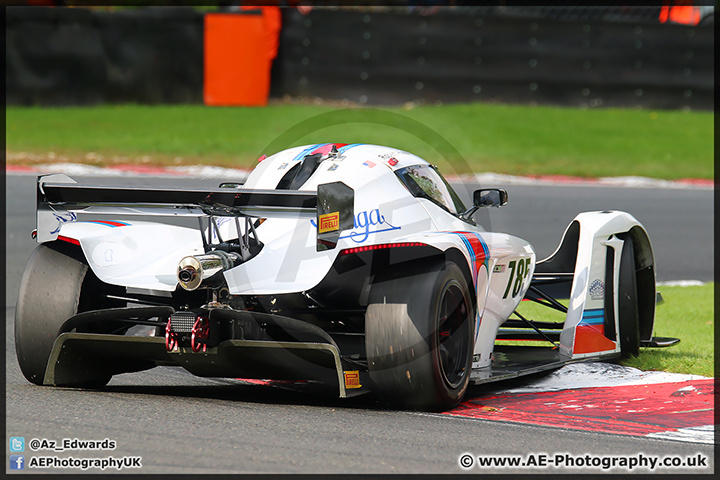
(40, 444)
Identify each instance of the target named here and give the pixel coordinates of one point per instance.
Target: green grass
(508, 139)
(687, 314)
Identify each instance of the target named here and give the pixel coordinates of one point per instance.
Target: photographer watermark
(117, 463)
(21, 461)
(584, 461)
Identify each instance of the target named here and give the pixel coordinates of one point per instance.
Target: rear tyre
(50, 293)
(629, 319)
(419, 330)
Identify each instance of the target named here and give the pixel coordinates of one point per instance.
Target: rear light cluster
(383, 246)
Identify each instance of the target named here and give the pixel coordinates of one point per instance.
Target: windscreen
(424, 181)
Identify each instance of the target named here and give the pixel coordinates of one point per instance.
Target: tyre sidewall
(49, 294)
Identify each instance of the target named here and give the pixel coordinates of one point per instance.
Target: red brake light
(383, 246)
(68, 239)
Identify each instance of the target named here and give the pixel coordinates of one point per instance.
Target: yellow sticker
(352, 379)
(329, 222)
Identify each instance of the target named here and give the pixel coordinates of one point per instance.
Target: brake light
(383, 246)
(68, 239)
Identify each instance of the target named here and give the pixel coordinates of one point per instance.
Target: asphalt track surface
(179, 423)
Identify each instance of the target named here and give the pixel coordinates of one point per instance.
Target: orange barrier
(237, 64)
(683, 14)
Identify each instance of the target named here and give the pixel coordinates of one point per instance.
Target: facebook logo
(17, 462)
(17, 444)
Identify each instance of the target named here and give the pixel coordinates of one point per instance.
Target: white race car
(351, 265)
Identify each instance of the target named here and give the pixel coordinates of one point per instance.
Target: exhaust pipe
(205, 271)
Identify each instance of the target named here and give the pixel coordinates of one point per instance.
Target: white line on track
(702, 434)
(599, 374)
(681, 283)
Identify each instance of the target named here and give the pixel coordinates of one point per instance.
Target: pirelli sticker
(352, 379)
(329, 222)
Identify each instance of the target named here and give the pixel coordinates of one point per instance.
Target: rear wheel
(419, 330)
(54, 287)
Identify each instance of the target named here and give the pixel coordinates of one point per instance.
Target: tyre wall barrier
(76, 56)
(463, 55)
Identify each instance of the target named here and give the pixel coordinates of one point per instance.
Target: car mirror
(490, 197)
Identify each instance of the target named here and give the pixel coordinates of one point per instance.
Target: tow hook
(200, 333)
(184, 326)
(171, 338)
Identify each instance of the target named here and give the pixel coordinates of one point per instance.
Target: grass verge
(687, 314)
(509, 139)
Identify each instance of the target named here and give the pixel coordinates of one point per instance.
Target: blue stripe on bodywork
(307, 151)
(475, 268)
(593, 316)
(471, 250)
(107, 223)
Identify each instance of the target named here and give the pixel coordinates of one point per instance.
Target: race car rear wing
(60, 198)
